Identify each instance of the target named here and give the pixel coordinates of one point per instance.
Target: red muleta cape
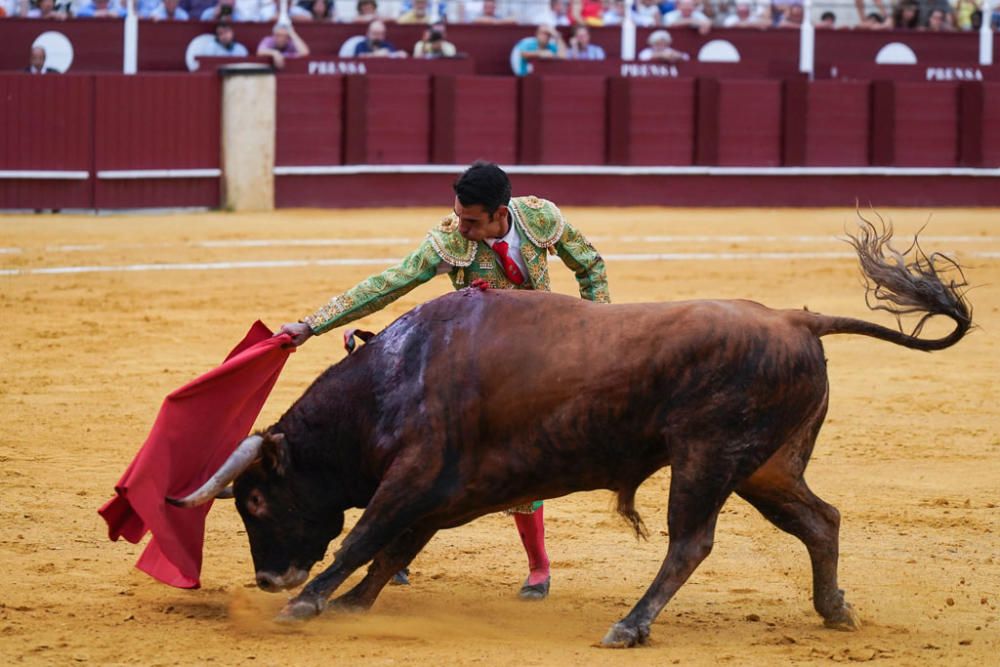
(198, 427)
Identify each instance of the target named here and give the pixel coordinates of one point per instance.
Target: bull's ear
(274, 453)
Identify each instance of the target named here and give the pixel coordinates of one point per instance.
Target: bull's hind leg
(785, 500)
(695, 501)
(394, 557)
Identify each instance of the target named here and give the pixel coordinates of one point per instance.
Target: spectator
(36, 62)
(580, 47)
(367, 11)
(591, 12)
(312, 10)
(376, 45)
(962, 17)
(938, 21)
(792, 15)
(226, 10)
(659, 49)
(828, 21)
(647, 13)
(169, 10)
(225, 44)
(488, 14)
(100, 9)
(874, 21)
(418, 14)
(557, 14)
(687, 16)
(906, 15)
(547, 43)
(434, 44)
(744, 16)
(863, 15)
(281, 44)
(47, 9)
(197, 8)
(614, 13)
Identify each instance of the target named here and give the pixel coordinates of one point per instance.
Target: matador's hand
(299, 331)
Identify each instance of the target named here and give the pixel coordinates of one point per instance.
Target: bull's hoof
(300, 609)
(624, 636)
(847, 620)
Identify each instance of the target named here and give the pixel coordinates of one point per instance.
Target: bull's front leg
(392, 512)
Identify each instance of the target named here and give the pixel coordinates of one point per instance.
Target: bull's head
(289, 517)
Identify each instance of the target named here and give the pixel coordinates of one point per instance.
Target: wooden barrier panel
(739, 123)
(474, 117)
(47, 127)
(388, 119)
(156, 122)
(991, 125)
(651, 121)
(826, 123)
(915, 124)
(563, 120)
(310, 120)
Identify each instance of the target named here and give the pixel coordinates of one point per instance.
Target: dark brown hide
(478, 401)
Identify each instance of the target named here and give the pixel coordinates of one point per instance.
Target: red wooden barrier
(826, 123)
(388, 120)
(915, 124)
(563, 120)
(739, 123)
(991, 125)
(474, 117)
(310, 120)
(651, 121)
(46, 125)
(156, 122)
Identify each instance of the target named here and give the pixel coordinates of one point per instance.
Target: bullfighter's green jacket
(541, 228)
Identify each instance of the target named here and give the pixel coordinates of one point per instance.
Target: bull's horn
(226, 494)
(238, 461)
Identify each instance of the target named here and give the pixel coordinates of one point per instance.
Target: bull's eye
(256, 504)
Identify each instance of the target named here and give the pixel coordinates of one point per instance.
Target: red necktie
(509, 267)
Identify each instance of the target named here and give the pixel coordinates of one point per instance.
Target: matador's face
(475, 224)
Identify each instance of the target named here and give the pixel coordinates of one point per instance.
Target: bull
(420, 429)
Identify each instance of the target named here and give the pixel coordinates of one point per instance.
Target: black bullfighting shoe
(538, 591)
(401, 578)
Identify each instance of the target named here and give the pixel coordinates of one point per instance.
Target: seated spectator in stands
(828, 21)
(862, 14)
(791, 15)
(488, 14)
(614, 12)
(169, 10)
(311, 10)
(546, 44)
(376, 45)
(591, 12)
(367, 11)
(36, 62)
(434, 44)
(226, 10)
(659, 49)
(744, 16)
(419, 14)
(281, 44)
(195, 8)
(47, 9)
(580, 47)
(95, 9)
(874, 21)
(906, 15)
(556, 14)
(962, 16)
(225, 44)
(939, 21)
(647, 13)
(687, 16)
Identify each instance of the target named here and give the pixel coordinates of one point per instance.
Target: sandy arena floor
(910, 454)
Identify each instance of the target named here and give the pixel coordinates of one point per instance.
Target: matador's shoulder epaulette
(450, 245)
(540, 219)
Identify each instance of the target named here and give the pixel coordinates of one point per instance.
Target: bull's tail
(925, 285)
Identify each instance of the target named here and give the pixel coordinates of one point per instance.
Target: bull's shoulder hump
(449, 244)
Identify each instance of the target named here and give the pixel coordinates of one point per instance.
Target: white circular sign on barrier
(195, 47)
(58, 50)
(719, 51)
(896, 53)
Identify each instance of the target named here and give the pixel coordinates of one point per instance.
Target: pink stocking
(531, 527)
